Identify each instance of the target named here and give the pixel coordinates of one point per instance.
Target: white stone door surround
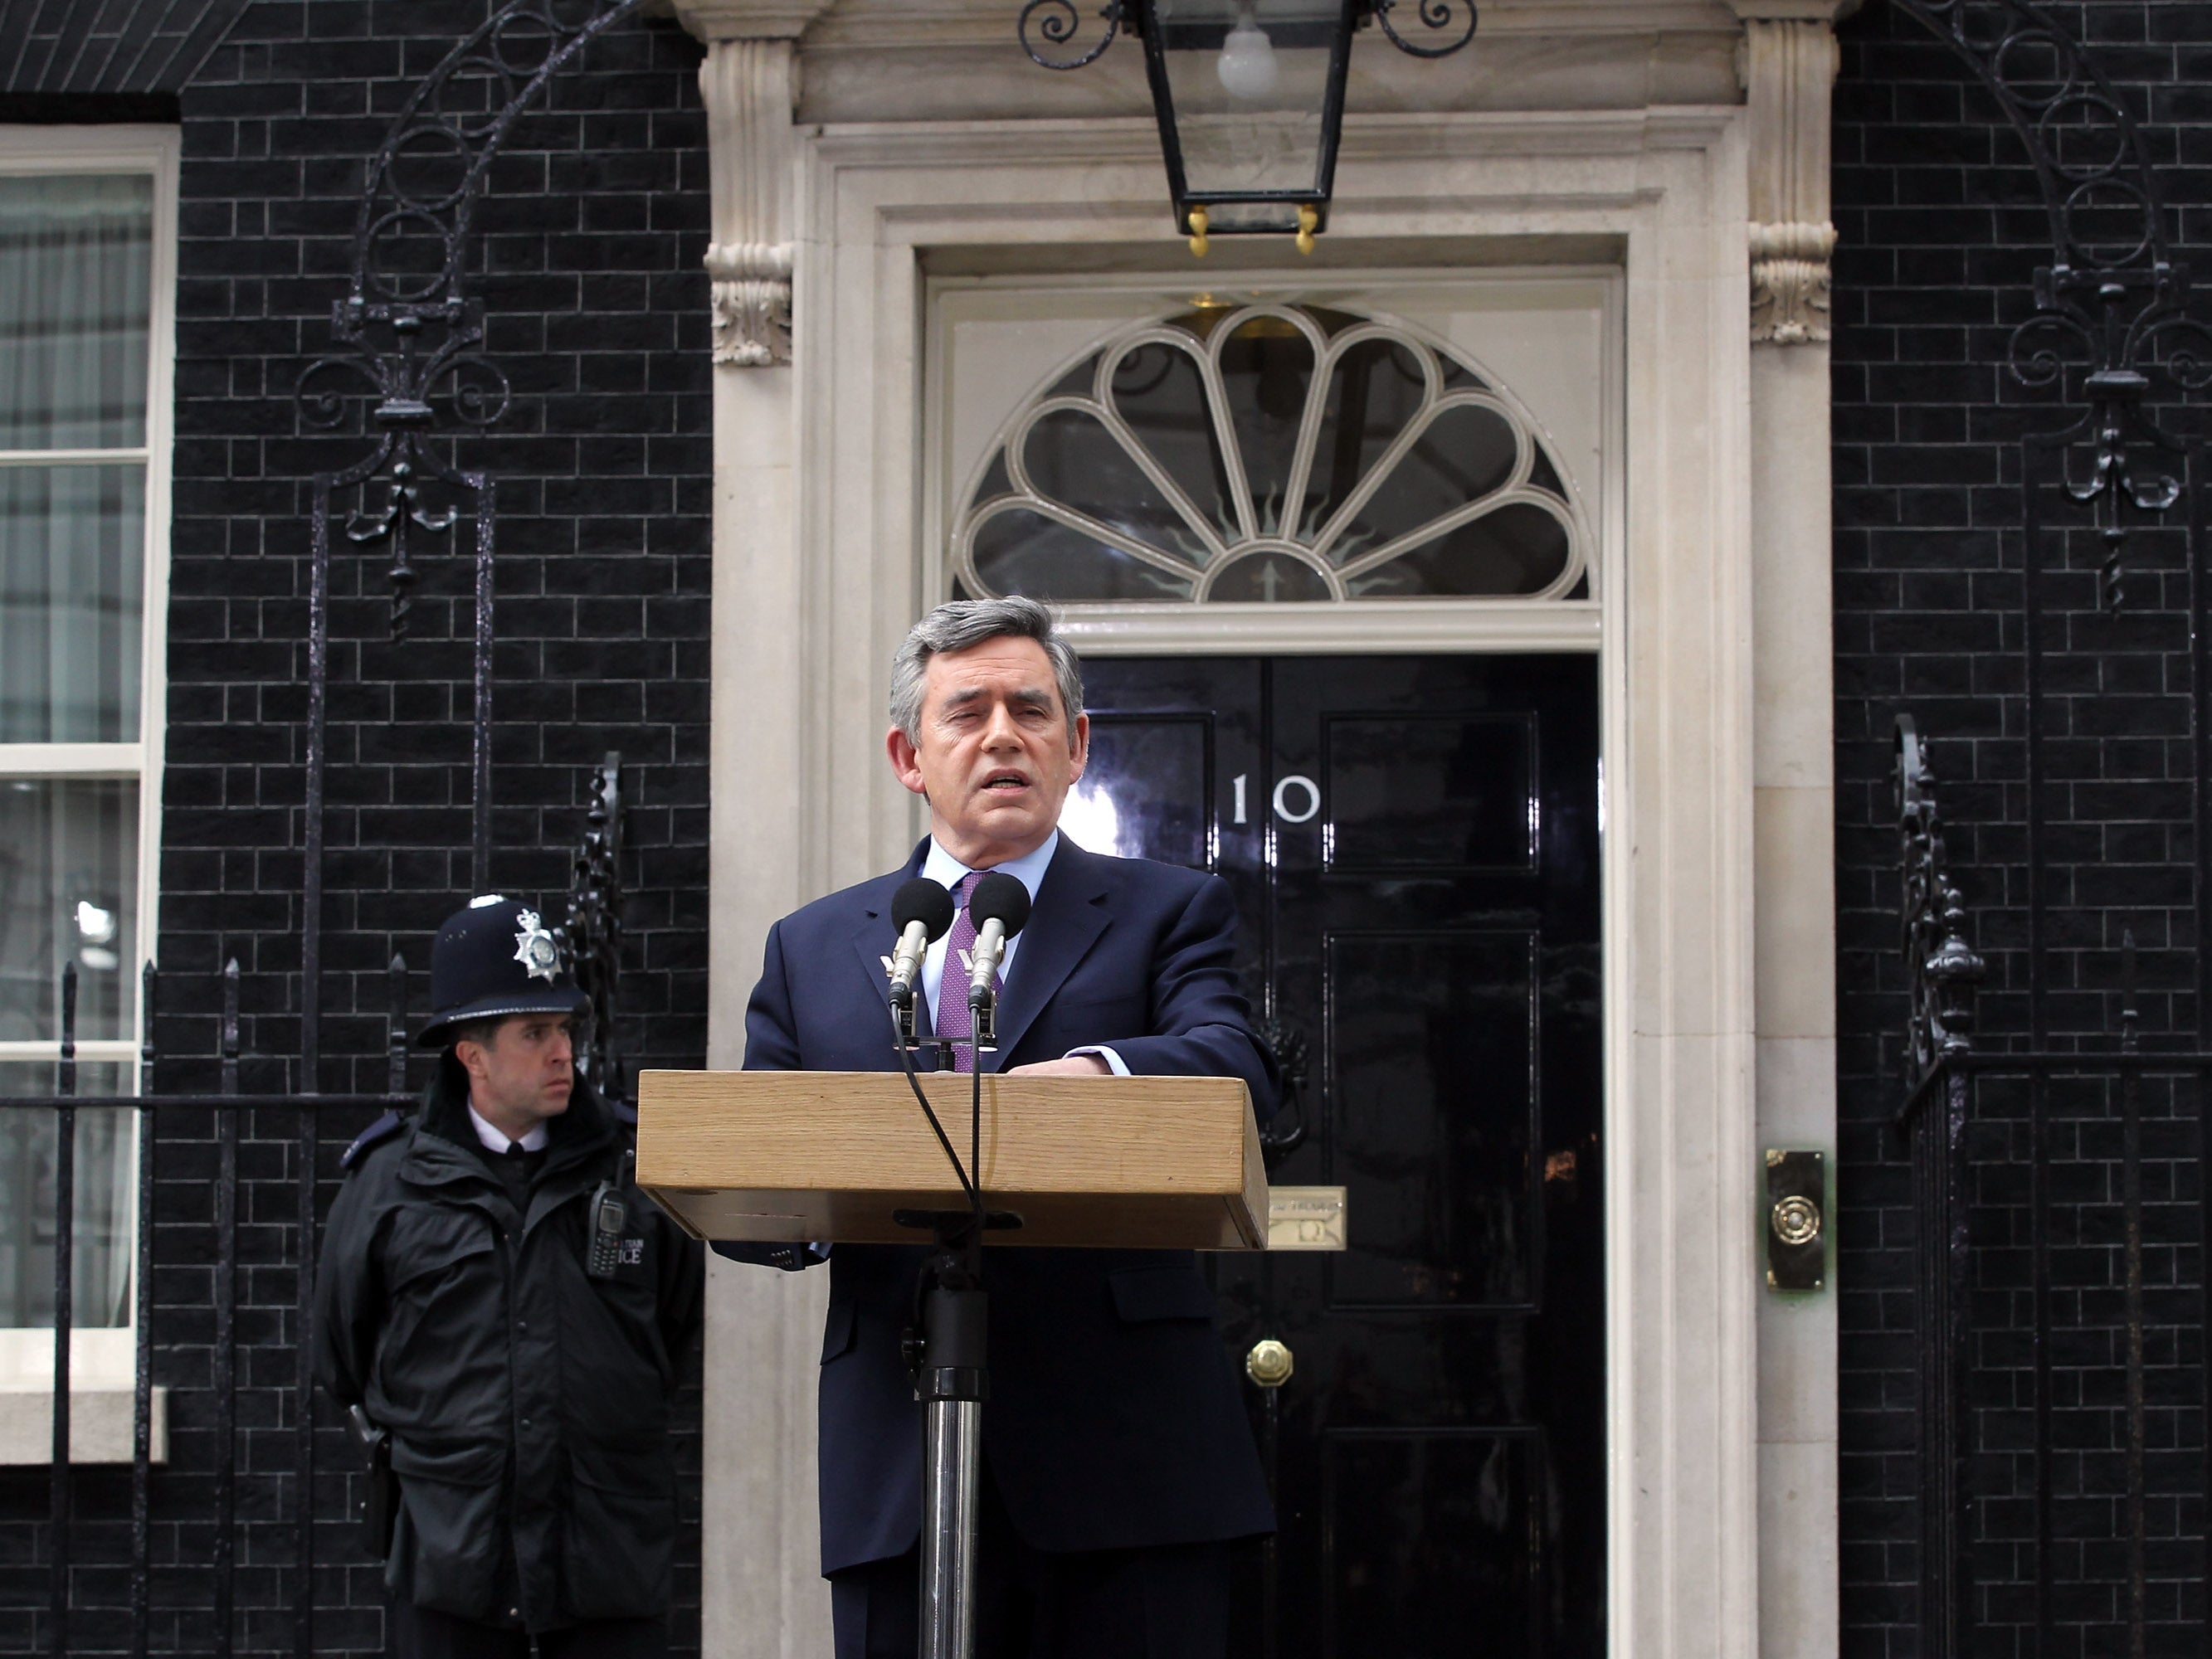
(1708, 735)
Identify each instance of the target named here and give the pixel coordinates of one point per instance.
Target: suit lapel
(1065, 922)
(873, 939)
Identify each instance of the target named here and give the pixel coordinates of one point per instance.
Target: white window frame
(103, 1360)
(1090, 307)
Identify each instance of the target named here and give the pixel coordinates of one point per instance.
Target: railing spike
(230, 1043)
(148, 981)
(65, 1067)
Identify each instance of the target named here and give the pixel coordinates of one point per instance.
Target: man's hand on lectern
(1073, 1065)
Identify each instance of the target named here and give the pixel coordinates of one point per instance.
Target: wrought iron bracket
(1056, 22)
(406, 360)
(1941, 966)
(2112, 307)
(590, 938)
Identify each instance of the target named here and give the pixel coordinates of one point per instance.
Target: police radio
(608, 1218)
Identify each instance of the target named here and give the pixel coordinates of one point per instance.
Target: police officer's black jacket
(527, 1402)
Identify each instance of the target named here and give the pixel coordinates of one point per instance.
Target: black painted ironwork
(229, 1105)
(1438, 16)
(141, 1316)
(409, 371)
(1942, 972)
(1943, 966)
(1969, 1162)
(594, 902)
(592, 935)
(2017, 1537)
(2111, 318)
(63, 1494)
(223, 1365)
(1057, 23)
(1050, 32)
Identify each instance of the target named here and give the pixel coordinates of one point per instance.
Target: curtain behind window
(76, 268)
(76, 312)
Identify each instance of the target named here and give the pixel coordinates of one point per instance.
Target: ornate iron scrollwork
(1435, 14)
(1942, 968)
(407, 342)
(590, 938)
(407, 332)
(2112, 307)
(1057, 20)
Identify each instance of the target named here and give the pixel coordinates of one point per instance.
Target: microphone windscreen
(1001, 898)
(927, 902)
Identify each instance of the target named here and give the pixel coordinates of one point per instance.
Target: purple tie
(954, 1018)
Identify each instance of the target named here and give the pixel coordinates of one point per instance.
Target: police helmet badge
(536, 949)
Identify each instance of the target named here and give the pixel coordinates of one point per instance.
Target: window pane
(75, 277)
(1267, 369)
(105, 1140)
(1519, 548)
(1074, 460)
(72, 568)
(69, 891)
(1160, 393)
(1018, 552)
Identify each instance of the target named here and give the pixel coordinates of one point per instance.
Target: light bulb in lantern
(1246, 65)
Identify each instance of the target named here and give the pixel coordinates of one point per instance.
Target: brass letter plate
(1796, 1221)
(1305, 1217)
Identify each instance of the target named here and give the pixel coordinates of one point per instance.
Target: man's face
(994, 759)
(524, 1074)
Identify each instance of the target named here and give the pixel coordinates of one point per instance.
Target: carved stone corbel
(1789, 281)
(749, 83)
(1789, 64)
(748, 89)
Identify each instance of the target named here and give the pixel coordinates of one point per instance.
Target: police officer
(500, 1302)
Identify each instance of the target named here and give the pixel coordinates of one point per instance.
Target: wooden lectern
(1149, 1163)
(789, 1157)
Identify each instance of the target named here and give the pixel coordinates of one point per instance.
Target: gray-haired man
(1118, 1460)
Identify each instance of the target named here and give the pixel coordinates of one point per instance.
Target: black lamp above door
(1249, 94)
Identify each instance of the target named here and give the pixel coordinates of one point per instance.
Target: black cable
(913, 1082)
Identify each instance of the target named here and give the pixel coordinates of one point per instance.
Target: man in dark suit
(1119, 1464)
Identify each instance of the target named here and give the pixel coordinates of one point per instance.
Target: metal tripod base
(951, 1454)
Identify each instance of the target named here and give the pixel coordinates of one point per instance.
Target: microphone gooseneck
(922, 911)
(999, 907)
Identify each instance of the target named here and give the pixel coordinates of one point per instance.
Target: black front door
(1413, 844)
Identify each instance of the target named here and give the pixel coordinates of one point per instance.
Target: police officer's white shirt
(940, 866)
(496, 1142)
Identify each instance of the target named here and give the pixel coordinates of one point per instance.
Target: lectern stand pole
(952, 1384)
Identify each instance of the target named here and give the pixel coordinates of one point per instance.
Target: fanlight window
(1270, 452)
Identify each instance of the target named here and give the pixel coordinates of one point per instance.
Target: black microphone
(998, 907)
(922, 911)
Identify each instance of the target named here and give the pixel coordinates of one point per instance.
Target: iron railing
(591, 942)
(155, 1114)
(2063, 1225)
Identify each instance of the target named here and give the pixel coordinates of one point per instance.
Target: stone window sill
(99, 1425)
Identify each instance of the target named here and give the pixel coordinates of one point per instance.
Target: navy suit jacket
(1114, 1419)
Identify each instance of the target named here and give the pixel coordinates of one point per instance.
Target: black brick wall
(598, 310)
(588, 263)
(1942, 228)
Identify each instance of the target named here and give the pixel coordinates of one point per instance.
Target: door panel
(1413, 846)
(1433, 1156)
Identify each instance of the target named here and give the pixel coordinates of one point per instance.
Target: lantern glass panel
(1250, 85)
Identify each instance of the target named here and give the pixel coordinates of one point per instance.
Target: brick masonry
(588, 262)
(598, 308)
(1942, 228)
